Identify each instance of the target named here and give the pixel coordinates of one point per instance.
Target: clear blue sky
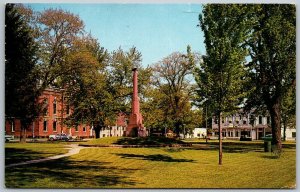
(156, 30)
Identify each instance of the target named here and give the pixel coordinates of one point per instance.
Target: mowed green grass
(103, 141)
(20, 152)
(154, 141)
(159, 168)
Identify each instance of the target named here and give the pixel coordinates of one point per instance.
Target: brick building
(50, 122)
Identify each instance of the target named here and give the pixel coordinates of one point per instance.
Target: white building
(290, 134)
(256, 127)
(196, 133)
(199, 132)
(112, 131)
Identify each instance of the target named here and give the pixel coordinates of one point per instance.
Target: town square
(150, 96)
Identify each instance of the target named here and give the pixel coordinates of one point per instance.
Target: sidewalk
(74, 149)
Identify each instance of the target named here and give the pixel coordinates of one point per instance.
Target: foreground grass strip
(158, 168)
(19, 152)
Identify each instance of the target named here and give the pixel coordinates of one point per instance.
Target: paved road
(74, 149)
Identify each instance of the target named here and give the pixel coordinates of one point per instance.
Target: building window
(45, 107)
(84, 129)
(13, 126)
(260, 120)
(237, 122)
(245, 122)
(54, 106)
(76, 128)
(268, 120)
(54, 126)
(45, 127)
(294, 134)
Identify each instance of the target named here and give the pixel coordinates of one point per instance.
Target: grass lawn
(159, 168)
(132, 141)
(17, 152)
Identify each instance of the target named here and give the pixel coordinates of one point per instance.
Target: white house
(251, 125)
(290, 134)
(199, 132)
(112, 131)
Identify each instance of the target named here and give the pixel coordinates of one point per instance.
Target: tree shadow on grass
(157, 157)
(16, 155)
(147, 141)
(229, 148)
(269, 156)
(64, 173)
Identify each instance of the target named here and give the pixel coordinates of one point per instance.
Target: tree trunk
(276, 125)
(284, 129)
(22, 134)
(97, 131)
(177, 128)
(220, 138)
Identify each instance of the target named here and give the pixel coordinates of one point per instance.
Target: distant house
(199, 133)
(250, 125)
(118, 129)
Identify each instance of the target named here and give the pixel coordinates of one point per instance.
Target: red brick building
(50, 122)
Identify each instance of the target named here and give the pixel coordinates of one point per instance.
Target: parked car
(245, 138)
(268, 137)
(9, 138)
(63, 137)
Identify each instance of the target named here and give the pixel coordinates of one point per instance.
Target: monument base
(133, 131)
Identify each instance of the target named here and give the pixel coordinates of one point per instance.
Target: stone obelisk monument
(135, 127)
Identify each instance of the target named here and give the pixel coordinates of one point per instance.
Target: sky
(156, 30)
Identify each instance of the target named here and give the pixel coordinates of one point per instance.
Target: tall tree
(120, 67)
(21, 91)
(222, 73)
(273, 54)
(85, 84)
(58, 30)
(173, 77)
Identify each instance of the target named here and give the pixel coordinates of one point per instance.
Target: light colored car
(9, 138)
(63, 137)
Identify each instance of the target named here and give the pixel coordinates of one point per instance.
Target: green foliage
(288, 109)
(273, 52)
(21, 91)
(57, 32)
(222, 73)
(85, 83)
(172, 77)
